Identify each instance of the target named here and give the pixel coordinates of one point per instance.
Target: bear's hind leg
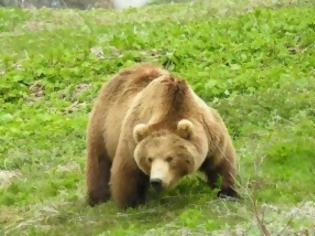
(98, 172)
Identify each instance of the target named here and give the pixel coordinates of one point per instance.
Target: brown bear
(148, 127)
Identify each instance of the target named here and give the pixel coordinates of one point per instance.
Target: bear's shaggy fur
(145, 120)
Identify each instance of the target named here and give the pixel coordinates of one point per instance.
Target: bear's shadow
(163, 207)
(168, 205)
(185, 193)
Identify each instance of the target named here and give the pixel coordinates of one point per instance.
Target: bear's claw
(229, 192)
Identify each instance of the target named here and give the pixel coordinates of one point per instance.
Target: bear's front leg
(128, 183)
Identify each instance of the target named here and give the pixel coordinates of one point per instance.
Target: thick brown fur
(149, 95)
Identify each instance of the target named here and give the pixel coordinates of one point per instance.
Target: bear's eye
(188, 161)
(169, 159)
(150, 159)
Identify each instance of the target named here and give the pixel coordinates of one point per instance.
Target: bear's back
(128, 83)
(117, 97)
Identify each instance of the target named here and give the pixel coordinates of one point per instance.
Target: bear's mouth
(156, 184)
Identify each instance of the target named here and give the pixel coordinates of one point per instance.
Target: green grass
(254, 62)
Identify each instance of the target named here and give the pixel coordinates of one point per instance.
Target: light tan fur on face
(160, 169)
(165, 156)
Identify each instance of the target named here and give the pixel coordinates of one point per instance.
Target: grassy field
(253, 61)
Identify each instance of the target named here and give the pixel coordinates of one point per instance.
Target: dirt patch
(6, 177)
(37, 90)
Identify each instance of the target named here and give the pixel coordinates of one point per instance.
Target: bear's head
(165, 155)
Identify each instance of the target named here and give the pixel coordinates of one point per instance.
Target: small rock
(98, 52)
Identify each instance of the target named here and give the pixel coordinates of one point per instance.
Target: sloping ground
(256, 65)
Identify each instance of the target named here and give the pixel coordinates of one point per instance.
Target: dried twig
(260, 219)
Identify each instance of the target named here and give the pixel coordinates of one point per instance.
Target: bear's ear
(185, 128)
(140, 132)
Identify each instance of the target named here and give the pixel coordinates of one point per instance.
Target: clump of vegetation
(254, 64)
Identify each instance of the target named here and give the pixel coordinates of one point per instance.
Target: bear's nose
(156, 184)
